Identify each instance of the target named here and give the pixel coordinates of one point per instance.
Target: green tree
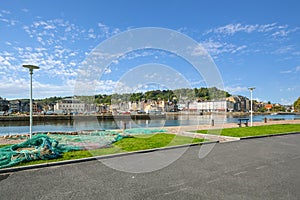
(297, 105)
(278, 108)
(262, 109)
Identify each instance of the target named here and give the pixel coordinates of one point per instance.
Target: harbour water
(21, 127)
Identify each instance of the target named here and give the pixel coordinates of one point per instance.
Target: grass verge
(256, 130)
(4, 145)
(139, 142)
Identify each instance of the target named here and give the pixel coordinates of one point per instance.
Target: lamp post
(251, 114)
(31, 68)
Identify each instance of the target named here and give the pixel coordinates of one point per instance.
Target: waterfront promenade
(186, 130)
(228, 125)
(183, 130)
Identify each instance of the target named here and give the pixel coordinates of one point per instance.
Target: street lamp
(31, 68)
(251, 114)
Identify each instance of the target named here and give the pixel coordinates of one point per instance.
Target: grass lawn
(139, 142)
(257, 130)
(4, 145)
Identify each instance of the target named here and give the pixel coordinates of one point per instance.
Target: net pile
(45, 147)
(49, 146)
(143, 131)
(94, 140)
(36, 148)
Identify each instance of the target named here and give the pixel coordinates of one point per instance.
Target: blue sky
(253, 43)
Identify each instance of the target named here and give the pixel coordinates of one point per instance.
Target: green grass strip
(256, 130)
(138, 142)
(142, 142)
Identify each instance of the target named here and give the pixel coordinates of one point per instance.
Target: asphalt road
(265, 168)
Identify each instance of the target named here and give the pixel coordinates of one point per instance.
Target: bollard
(124, 126)
(212, 122)
(265, 119)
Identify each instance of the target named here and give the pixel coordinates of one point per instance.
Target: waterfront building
(15, 106)
(4, 104)
(69, 105)
(212, 106)
(240, 103)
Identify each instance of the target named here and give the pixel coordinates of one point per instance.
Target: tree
(297, 105)
(278, 108)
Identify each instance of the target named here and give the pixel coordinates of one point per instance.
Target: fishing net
(45, 147)
(49, 146)
(144, 131)
(93, 140)
(39, 147)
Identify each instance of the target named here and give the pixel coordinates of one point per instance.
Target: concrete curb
(271, 135)
(66, 162)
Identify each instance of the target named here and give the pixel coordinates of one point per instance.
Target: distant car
(50, 112)
(74, 113)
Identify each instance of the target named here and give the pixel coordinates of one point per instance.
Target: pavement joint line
(220, 138)
(239, 173)
(214, 180)
(297, 157)
(261, 167)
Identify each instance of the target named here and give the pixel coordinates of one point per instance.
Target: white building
(212, 106)
(69, 105)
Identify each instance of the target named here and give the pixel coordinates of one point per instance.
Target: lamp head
(31, 67)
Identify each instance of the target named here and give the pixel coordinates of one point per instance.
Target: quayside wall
(77, 117)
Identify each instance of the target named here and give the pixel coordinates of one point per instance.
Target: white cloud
(5, 12)
(107, 71)
(235, 90)
(284, 101)
(25, 10)
(9, 22)
(92, 36)
(231, 29)
(284, 49)
(106, 31)
(283, 31)
(89, 87)
(5, 61)
(286, 72)
(199, 51)
(292, 70)
(215, 47)
(18, 88)
(73, 54)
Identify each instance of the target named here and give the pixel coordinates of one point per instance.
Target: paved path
(265, 168)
